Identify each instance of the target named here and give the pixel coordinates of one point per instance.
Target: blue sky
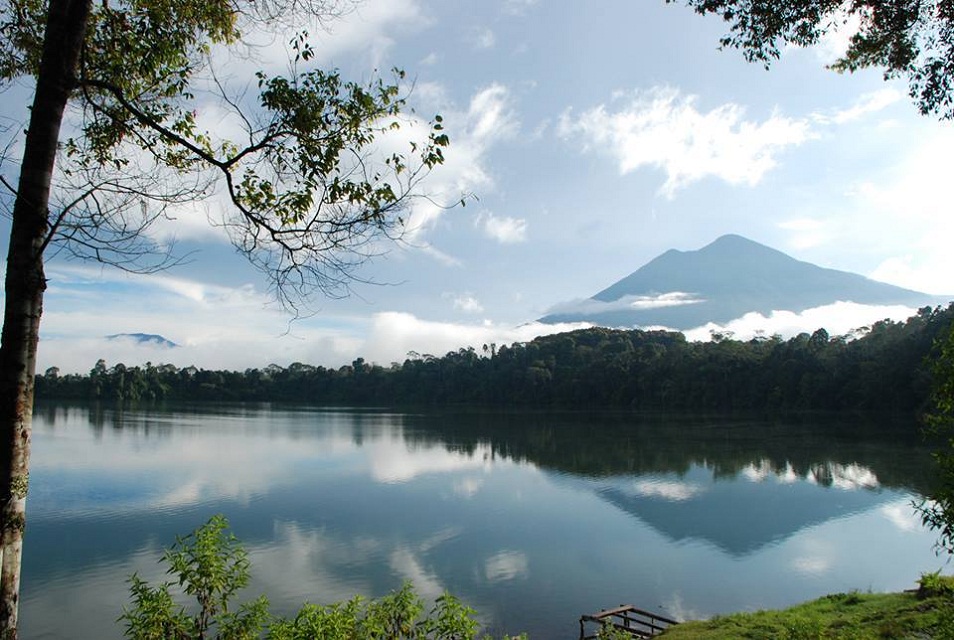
(594, 136)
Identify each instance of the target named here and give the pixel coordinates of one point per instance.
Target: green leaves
(154, 615)
(396, 616)
(320, 133)
(905, 38)
(211, 566)
(937, 512)
(318, 169)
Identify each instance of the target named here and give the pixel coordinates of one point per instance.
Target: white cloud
(917, 271)
(892, 221)
(216, 467)
(902, 516)
(662, 128)
(490, 114)
(363, 33)
(813, 555)
(303, 563)
(427, 583)
(375, 19)
(468, 487)
(488, 120)
(670, 490)
(394, 334)
(866, 104)
(369, 27)
(850, 477)
(395, 464)
(86, 306)
(811, 565)
(468, 304)
(763, 469)
(217, 327)
(589, 306)
(834, 44)
(839, 318)
(234, 328)
(518, 7)
(506, 565)
(483, 39)
(911, 204)
(806, 233)
(505, 229)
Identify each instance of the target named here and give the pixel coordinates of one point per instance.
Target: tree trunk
(25, 283)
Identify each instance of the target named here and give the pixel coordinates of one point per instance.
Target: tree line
(886, 369)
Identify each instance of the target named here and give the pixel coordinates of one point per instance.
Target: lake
(532, 518)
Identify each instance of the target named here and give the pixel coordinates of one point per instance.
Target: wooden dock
(628, 619)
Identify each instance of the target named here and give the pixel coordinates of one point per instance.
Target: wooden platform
(628, 619)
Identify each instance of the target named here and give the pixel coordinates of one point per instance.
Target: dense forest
(886, 369)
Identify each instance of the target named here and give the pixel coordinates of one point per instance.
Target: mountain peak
(144, 339)
(724, 280)
(732, 239)
(731, 244)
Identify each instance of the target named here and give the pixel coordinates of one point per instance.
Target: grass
(927, 614)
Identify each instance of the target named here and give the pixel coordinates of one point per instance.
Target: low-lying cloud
(591, 306)
(235, 328)
(838, 318)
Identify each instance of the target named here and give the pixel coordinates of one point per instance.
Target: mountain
(146, 339)
(724, 281)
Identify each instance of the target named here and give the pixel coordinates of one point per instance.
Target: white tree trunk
(25, 283)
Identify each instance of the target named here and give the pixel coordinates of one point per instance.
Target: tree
(310, 186)
(913, 39)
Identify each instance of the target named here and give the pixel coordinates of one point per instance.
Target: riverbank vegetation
(210, 566)
(885, 369)
(927, 613)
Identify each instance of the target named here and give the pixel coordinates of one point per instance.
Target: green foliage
(934, 584)
(937, 511)
(851, 616)
(154, 614)
(608, 631)
(397, 616)
(309, 183)
(211, 566)
(905, 38)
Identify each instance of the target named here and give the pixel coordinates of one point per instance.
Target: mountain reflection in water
(532, 518)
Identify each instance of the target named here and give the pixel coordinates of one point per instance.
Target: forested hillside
(887, 369)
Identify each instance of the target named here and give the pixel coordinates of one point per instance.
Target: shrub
(210, 566)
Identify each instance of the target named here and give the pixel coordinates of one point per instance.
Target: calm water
(531, 518)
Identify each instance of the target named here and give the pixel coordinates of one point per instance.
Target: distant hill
(144, 339)
(724, 281)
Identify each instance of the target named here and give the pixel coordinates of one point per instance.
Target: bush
(210, 566)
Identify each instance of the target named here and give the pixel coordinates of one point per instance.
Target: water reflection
(532, 518)
(744, 516)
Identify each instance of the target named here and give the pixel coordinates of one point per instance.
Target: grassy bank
(929, 613)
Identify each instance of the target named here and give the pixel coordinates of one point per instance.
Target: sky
(586, 138)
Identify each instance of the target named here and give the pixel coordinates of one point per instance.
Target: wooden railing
(628, 619)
